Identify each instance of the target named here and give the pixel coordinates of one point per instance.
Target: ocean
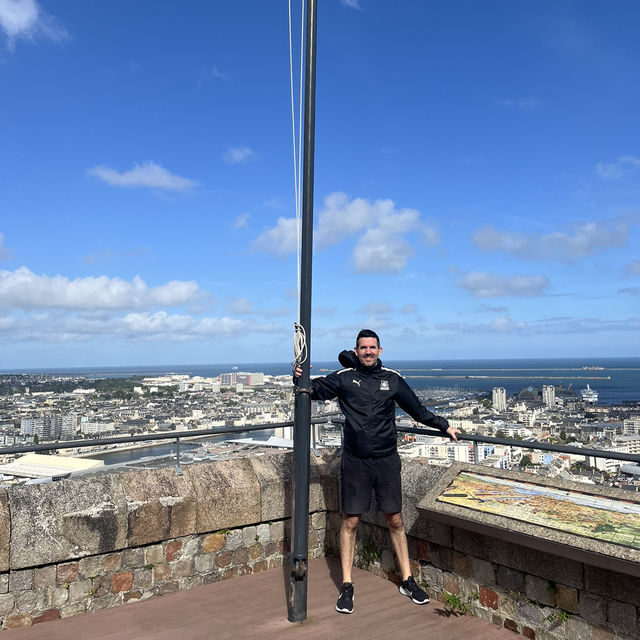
(615, 379)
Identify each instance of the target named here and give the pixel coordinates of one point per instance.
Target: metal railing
(334, 418)
(526, 444)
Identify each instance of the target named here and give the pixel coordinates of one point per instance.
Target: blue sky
(477, 186)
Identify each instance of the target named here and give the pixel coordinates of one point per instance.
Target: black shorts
(361, 475)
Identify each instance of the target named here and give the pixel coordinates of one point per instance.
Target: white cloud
(521, 103)
(149, 174)
(25, 19)
(215, 72)
(280, 240)
(505, 324)
(352, 4)
(375, 308)
(491, 285)
(23, 289)
(52, 327)
(617, 169)
(580, 240)
(409, 309)
(379, 252)
(240, 306)
(632, 291)
(242, 221)
(381, 246)
(237, 155)
(4, 252)
(632, 269)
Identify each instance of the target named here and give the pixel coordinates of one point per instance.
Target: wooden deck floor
(255, 606)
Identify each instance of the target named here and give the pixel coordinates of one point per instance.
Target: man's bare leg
(348, 532)
(399, 542)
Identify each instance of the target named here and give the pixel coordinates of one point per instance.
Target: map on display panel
(583, 514)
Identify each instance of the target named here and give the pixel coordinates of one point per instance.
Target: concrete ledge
(43, 524)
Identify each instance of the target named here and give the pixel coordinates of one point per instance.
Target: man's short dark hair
(367, 333)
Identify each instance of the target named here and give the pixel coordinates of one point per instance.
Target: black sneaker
(411, 589)
(345, 601)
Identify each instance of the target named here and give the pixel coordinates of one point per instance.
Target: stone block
(567, 598)
(223, 559)
(205, 563)
(113, 562)
(213, 543)
(46, 616)
(240, 555)
(162, 572)
(80, 590)
(577, 629)
(67, 572)
(5, 530)
(450, 583)
(21, 580)
(417, 480)
(160, 505)
(602, 633)
(621, 615)
(142, 578)
(592, 608)
(441, 557)
(488, 598)
(73, 610)
(30, 601)
(462, 564)
(153, 554)
(4, 583)
(173, 550)
(483, 571)
(528, 632)
(432, 576)
(318, 521)
(58, 597)
(191, 547)
(530, 614)
(324, 474)
(17, 621)
(132, 596)
(249, 536)
(105, 602)
(133, 558)
(611, 584)
(540, 590)
(276, 531)
(273, 473)
(91, 567)
(529, 561)
(227, 494)
(72, 518)
(510, 579)
(7, 602)
(101, 586)
(122, 581)
(233, 540)
(182, 568)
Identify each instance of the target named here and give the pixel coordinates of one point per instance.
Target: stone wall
(105, 539)
(533, 593)
(99, 541)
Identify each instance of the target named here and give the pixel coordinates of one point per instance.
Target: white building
(499, 398)
(549, 395)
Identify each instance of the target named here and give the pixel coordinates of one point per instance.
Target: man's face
(368, 351)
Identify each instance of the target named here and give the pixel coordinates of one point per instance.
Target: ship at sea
(589, 395)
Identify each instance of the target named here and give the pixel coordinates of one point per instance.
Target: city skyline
(477, 186)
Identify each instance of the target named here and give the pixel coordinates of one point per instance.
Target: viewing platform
(256, 606)
(148, 553)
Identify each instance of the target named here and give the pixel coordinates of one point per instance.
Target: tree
(526, 461)
(500, 434)
(563, 435)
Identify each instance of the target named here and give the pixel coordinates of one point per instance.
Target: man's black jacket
(368, 398)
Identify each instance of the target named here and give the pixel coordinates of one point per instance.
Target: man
(368, 394)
